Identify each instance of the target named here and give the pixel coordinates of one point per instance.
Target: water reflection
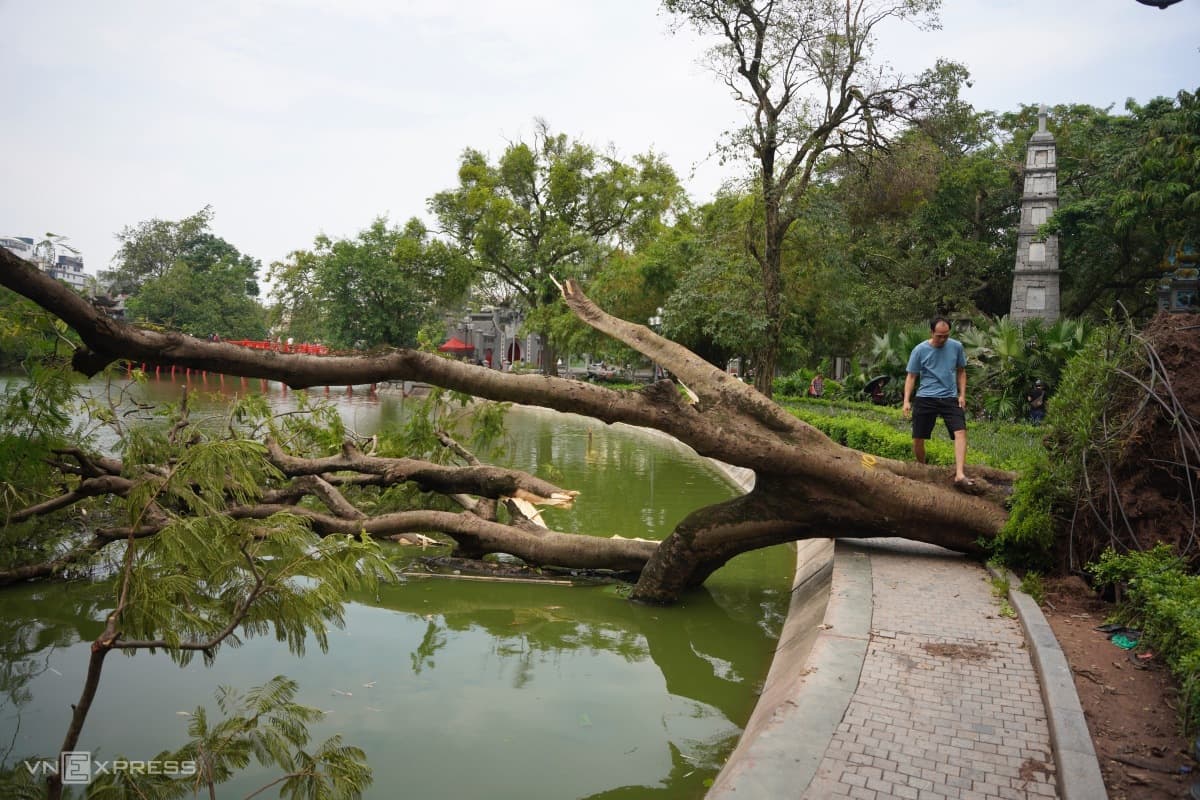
(461, 688)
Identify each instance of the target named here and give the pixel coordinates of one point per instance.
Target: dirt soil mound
(1148, 488)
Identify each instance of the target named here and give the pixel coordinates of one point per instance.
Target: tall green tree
(203, 299)
(151, 248)
(803, 71)
(1162, 185)
(181, 276)
(378, 288)
(715, 307)
(547, 210)
(929, 226)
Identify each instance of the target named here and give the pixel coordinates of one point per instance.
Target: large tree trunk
(807, 485)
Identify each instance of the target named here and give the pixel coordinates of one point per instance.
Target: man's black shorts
(926, 410)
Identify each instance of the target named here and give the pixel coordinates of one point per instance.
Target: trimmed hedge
(873, 437)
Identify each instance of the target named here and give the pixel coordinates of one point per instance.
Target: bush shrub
(795, 386)
(873, 437)
(1039, 495)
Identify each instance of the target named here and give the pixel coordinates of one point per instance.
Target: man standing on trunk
(941, 365)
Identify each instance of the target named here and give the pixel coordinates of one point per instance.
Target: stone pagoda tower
(1035, 277)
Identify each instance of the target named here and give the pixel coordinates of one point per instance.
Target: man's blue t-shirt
(937, 367)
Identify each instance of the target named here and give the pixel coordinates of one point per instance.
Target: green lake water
(461, 689)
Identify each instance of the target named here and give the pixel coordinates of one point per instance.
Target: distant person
(1037, 402)
(940, 365)
(817, 387)
(877, 395)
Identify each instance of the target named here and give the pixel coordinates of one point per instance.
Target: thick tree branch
(88, 487)
(475, 534)
(493, 482)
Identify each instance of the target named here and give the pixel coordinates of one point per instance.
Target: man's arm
(962, 387)
(910, 380)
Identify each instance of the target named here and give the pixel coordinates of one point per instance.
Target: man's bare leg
(919, 450)
(960, 455)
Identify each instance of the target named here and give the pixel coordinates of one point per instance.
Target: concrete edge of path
(1077, 767)
(812, 679)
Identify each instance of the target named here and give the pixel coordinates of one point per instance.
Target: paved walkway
(948, 704)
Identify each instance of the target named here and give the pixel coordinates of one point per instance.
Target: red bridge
(282, 347)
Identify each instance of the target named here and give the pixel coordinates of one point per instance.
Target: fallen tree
(806, 485)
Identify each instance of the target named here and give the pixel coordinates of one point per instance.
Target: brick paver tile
(948, 703)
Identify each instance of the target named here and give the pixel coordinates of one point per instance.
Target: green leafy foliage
(1032, 585)
(1161, 599)
(1005, 357)
(34, 423)
(199, 575)
(1051, 476)
(377, 289)
(550, 208)
(1090, 386)
(888, 356)
(28, 334)
(151, 248)
(1040, 496)
(315, 428)
(180, 276)
(206, 570)
(210, 575)
(202, 299)
(927, 226)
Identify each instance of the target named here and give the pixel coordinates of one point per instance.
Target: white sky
(294, 117)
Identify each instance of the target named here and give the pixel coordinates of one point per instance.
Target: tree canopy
(1128, 197)
(181, 276)
(378, 288)
(550, 209)
(151, 248)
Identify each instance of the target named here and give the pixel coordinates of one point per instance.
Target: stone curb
(1076, 764)
(812, 679)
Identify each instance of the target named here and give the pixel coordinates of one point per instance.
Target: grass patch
(1031, 584)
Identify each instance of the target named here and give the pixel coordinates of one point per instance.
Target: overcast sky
(296, 117)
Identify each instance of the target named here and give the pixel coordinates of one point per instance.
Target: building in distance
(50, 258)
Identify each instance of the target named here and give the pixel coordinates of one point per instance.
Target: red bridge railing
(282, 347)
